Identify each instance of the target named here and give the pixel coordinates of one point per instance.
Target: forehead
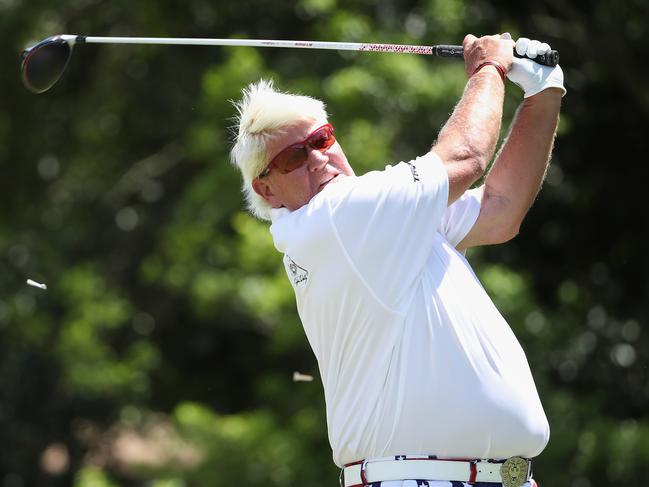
(293, 133)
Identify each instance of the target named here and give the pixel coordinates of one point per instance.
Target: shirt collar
(277, 213)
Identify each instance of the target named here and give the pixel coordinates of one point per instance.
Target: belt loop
(363, 477)
(473, 475)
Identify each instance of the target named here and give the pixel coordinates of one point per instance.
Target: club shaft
(438, 50)
(550, 58)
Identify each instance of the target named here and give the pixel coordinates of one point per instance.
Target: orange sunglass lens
(291, 159)
(295, 155)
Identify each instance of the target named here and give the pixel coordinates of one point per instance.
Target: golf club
(43, 64)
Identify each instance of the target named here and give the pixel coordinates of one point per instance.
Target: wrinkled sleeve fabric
(386, 222)
(461, 216)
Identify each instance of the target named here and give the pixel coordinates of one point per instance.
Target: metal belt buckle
(514, 472)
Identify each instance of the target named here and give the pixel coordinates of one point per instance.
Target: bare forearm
(468, 140)
(520, 167)
(518, 171)
(472, 130)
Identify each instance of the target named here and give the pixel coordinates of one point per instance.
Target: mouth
(331, 179)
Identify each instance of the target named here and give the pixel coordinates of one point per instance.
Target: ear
(263, 189)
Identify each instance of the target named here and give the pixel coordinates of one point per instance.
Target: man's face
(296, 188)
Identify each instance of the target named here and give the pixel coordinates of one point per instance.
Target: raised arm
(519, 169)
(467, 141)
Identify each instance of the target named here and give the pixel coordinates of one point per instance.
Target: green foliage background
(162, 352)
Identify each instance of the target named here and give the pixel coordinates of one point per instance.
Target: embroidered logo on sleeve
(413, 170)
(297, 274)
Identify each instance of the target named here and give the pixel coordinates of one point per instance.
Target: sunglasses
(295, 155)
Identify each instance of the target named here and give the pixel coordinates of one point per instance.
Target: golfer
(425, 383)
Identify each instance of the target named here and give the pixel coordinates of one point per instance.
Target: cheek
(343, 165)
(339, 159)
(297, 191)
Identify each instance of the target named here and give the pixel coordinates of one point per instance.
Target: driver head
(43, 64)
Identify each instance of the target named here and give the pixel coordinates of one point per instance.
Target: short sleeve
(460, 217)
(386, 221)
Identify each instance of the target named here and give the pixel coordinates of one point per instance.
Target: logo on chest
(298, 274)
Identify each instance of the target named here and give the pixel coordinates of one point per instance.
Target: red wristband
(501, 69)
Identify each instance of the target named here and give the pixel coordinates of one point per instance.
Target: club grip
(550, 58)
(443, 50)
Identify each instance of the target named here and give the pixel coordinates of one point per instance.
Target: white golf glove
(530, 76)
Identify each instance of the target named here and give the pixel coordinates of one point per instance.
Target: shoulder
(305, 231)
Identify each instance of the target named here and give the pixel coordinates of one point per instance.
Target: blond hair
(262, 114)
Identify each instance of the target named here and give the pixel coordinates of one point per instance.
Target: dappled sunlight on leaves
(93, 477)
(255, 445)
(508, 289)
(363, 149)
(96, 317)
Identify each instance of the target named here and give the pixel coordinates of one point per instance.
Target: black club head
(43, 64)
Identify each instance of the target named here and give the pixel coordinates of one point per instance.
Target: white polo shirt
(414, 356)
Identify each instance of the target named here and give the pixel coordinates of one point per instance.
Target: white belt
(513, 472)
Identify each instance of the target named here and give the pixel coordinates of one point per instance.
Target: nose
(317, 160)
